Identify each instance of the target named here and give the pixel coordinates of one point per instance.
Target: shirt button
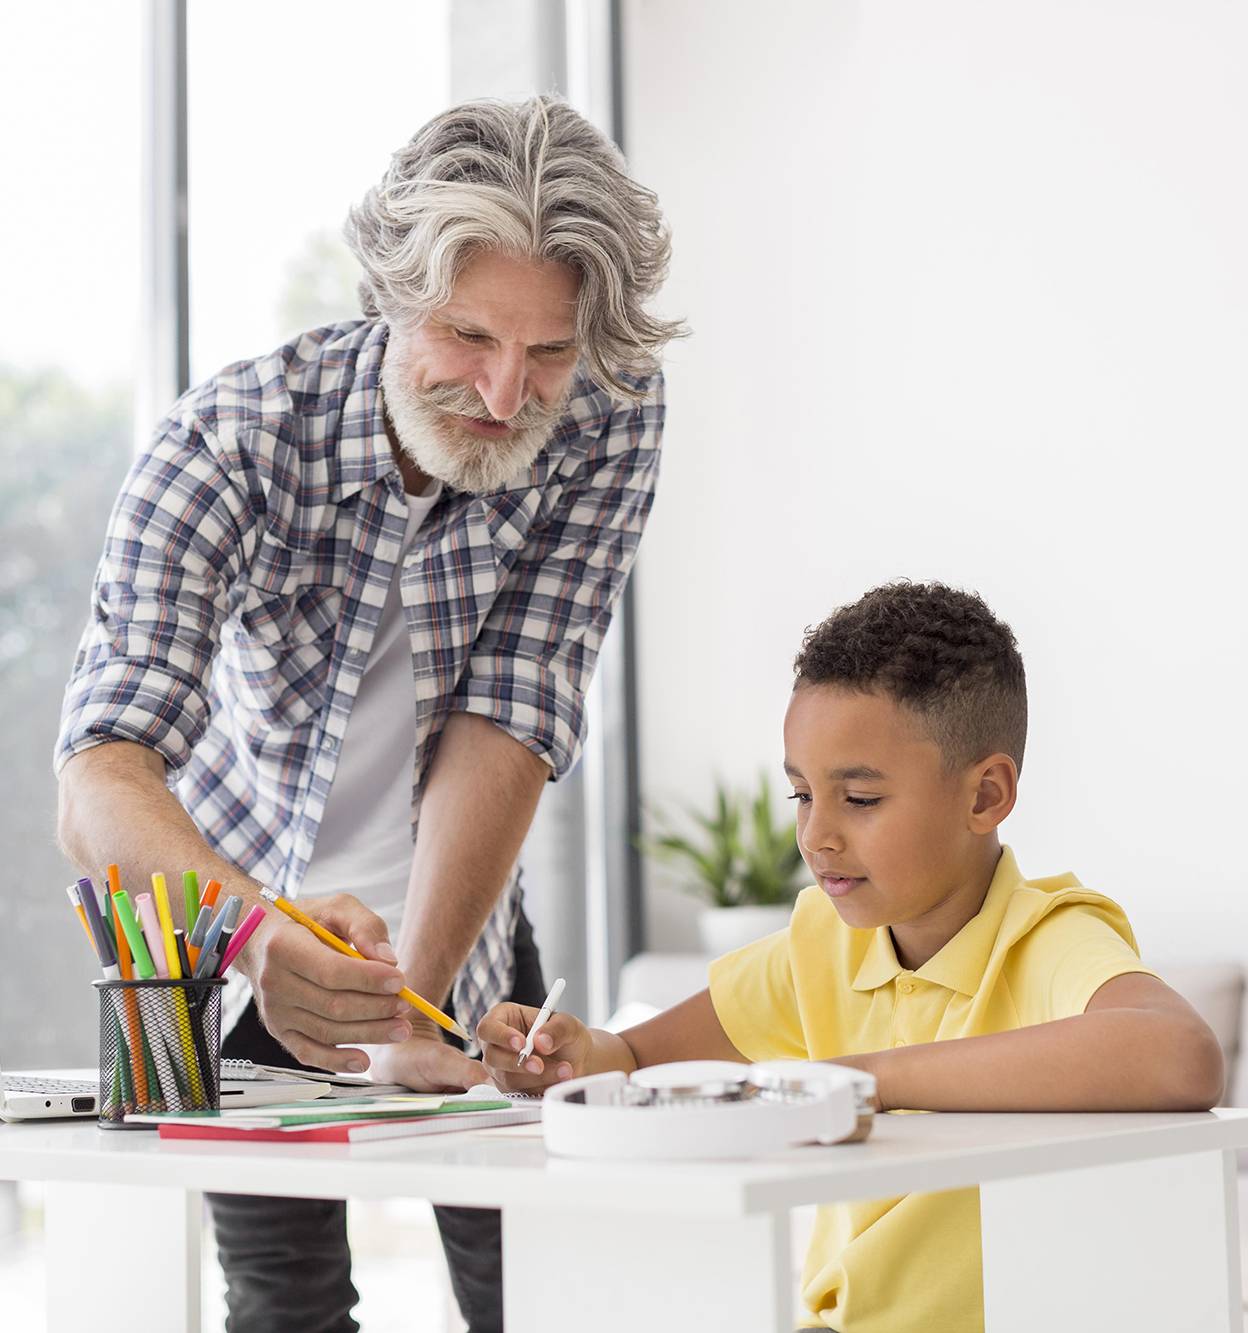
(356, 654)
(329, 744)
(905, 987)
(899, 1042)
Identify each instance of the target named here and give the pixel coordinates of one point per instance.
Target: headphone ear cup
(791, 1102)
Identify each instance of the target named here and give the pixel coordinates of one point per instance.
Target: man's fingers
(347, 917)
(342, 1006)
(319, 1056)
(326, 1032)
(302, 953)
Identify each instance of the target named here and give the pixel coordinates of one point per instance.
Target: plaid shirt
(244, 573)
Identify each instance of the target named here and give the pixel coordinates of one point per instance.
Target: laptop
(62, 1094)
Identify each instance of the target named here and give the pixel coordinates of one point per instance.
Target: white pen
(551, 1000)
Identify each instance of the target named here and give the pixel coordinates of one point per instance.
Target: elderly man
(349, 605)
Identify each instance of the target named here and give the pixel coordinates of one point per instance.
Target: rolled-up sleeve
(531, 664)
(160, 594)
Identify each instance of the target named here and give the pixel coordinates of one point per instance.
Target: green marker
(190, 895)
(144, 968)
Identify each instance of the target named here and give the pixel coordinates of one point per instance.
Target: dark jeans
(286, 1261)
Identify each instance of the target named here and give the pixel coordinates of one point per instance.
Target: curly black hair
(935, 649)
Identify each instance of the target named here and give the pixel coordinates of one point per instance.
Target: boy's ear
(995, 789)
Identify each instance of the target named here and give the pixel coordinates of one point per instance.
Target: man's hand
(313, 999)
(425, 1062)
(561, 1050)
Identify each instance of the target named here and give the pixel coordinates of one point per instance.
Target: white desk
(1090, 1222)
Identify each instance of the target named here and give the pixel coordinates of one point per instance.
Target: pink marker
(145, 905)
(241, 936)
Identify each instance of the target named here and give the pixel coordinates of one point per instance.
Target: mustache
(463, 401)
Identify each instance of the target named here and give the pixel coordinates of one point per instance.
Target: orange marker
(209, 896)
(130, 1000)
(123, 947)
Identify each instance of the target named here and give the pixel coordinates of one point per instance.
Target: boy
(921, 955)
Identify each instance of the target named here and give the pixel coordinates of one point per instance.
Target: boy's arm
(1138, 1046)
(690, 1030)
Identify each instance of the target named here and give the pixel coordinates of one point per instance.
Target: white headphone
(707, 1109)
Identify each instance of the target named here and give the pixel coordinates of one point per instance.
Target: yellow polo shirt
(1037, 950)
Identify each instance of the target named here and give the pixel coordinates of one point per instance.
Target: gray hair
(532, 179)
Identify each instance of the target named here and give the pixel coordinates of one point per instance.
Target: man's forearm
(115, 807)
(475, 811)
(1104, 1060)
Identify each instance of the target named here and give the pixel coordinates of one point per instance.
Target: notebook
(383, 1119)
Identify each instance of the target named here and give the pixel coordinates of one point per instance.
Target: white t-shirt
(364, 845)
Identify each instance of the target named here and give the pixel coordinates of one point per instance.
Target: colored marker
(328, 937)
(240, 937)
(165, 916)
(199, 928)
(215, 946)
(184, 962)
(103, 945)
(150, 922)
(129, 1000)
(216, 925)
(144, 968)
(211, 889)
(190, 896)
(119, 935)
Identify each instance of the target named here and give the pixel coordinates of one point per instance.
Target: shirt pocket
(278, 643)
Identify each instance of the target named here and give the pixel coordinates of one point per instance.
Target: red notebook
(355, 1131)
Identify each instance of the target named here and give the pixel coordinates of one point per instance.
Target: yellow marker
(160, 892)
(328, 937)
(164, 915)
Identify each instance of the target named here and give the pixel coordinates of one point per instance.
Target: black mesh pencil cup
(160, 1047)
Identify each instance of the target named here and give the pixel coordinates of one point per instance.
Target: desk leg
(93, 1237)
(1152, 1247)
(615, 1273)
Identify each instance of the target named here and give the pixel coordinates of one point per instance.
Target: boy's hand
(561, 1049)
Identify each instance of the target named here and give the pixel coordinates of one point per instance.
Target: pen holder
(160, 1047)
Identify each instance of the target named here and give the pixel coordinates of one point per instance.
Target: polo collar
(960, 965)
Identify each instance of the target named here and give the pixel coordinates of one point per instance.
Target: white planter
(724, 929)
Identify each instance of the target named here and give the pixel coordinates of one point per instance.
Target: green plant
(745, 857)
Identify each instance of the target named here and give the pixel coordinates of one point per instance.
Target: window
(292, 113)
(69, 269)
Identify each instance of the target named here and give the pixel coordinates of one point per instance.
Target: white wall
(970, 290)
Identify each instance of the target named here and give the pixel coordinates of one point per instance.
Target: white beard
(431, 437)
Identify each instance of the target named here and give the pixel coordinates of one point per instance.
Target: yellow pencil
(328, 937)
